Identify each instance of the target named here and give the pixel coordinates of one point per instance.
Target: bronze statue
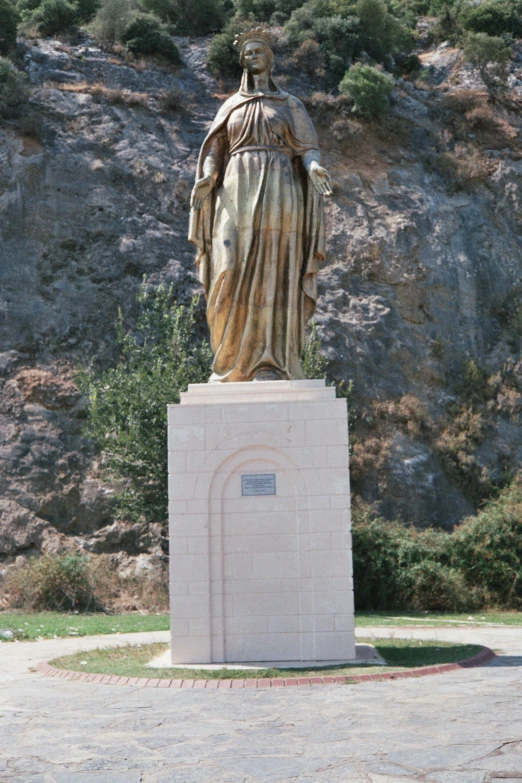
(257, 220)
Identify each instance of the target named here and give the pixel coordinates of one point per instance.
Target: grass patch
(435, 619)
(130, 661)
(49, 625)
(29, 626)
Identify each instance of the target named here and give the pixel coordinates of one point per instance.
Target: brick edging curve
(480, 659)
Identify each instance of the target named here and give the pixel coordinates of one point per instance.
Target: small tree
(112, 19)
(490, 55)
(54, 17)
(223, 56)
(309, 58)
(369, 88)
(379, 29)
(8, 27)
(494, 17)
(145, 35)
(13, 90)
(314, 362)
(127, 412)
(188, 17)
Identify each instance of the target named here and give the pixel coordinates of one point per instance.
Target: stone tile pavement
(461, 727)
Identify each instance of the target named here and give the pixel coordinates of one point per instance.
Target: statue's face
(255, 57)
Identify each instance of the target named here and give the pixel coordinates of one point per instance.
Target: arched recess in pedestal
(260, 568)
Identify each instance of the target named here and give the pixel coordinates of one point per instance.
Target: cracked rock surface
(423, 273)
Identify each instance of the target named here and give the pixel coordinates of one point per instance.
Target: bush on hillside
(188, 17)
(447, 27)
(146, 36)
(74, 582)
(313, 361)
(55, 17)
(380, 31)
(8, 27)
(111, 20)
(86, 9)
(487, 548)
(491, 56)
(494, 17)
(338, 38)
(309, 59)
(223, 56)
(369, 88)
(127, 412)
(267, 10)
(479, 565)
(13, 90)
(60, 583)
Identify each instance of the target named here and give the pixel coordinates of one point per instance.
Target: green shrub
(338, 37)
(487, 548)
(13, 90)
(313, 361)
(127, 412)
(266, 10)
(59, 583)
(494, 17)
(447, 27)
(25, 7)
(309, 58)
(74, 582)
(188, 17)
(86, 9)
(479, 565)
(223, 56)
(343, 30)
(380, 32)
(369, 88)
(434, 587)
(54, 17)
(111, 20)
(145, 36)
(8, 27)
(491, 56)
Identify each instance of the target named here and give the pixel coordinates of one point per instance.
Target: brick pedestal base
(259, 507)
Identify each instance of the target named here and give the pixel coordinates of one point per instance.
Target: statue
(257, 221)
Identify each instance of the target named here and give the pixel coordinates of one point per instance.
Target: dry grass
(368, 455)
(462, 168)
(44, 583)
(101, 92)
(409, 413)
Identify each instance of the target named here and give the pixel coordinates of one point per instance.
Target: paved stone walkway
(462, 727)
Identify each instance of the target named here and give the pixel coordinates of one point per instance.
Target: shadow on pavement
(506, 660)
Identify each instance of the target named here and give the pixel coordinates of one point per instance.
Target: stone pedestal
(259, 508)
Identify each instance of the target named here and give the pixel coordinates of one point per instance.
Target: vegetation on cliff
(420, 298)
(127, 404)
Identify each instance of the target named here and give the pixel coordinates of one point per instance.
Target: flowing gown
(260, 239)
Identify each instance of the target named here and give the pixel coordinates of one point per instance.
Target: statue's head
(256, 55)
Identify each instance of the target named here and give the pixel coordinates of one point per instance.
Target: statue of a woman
(258, 223)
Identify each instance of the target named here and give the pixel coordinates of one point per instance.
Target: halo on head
(256, 34)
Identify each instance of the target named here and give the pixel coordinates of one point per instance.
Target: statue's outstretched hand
(321, 179)
(201, 190)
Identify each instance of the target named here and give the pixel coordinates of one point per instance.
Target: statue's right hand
(201, 190)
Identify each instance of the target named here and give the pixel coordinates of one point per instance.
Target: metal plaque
(258, 484)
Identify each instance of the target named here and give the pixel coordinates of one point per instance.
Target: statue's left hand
(321, 179)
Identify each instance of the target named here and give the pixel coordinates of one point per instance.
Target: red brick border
(481, 658)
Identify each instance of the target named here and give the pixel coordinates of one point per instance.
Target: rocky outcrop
(424, 276)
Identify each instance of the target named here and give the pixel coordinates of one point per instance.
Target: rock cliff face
(420, 299)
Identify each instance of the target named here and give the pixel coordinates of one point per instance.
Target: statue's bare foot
(267, 375)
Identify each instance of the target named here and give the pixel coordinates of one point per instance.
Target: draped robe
(259, 237)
